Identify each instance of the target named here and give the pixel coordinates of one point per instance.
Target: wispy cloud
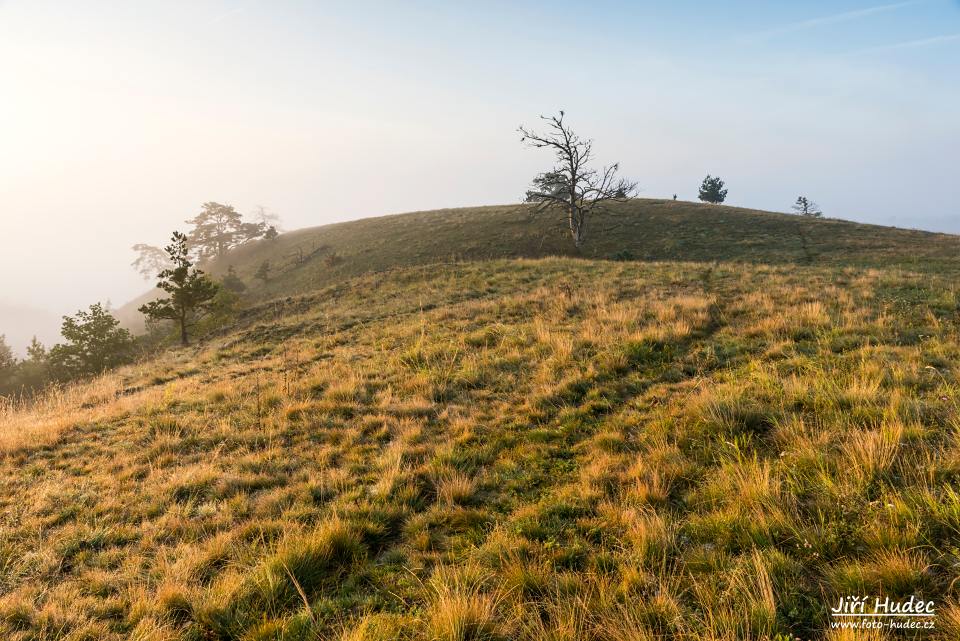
(909, 44)
(231, 12)
(822, 21)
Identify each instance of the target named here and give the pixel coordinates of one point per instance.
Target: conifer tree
(232, 283)
(8, 366)
(150, 260)
(6, 354)
(190, 291)
(263, 272)
(219, 228)
(712, 191)
(806, 207)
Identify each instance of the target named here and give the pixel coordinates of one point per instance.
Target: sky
(118, 119)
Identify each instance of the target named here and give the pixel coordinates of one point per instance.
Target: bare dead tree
(572, 186)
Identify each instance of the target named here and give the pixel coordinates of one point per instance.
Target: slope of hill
(508, 449)
(641, 229)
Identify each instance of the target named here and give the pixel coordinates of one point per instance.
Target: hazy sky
(117, 119)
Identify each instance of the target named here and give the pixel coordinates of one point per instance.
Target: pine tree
(34, 372)
(191, 292)
(8, 366)
(217, 229)
(232, 283)
(712, 191)
(6, 354)
(263, 272)
(7, 362)
(250, 231)
(36, 351)
(150, 260)
(806, 207)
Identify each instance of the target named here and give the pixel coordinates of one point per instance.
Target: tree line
(217, 229)
(93, 343)
(191, 302)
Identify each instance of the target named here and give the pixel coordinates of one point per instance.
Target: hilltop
(710, 441)
(641, 229)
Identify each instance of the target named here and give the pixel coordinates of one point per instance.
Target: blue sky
(120, 118)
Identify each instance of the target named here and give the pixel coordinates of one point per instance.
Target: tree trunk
(576, 227)
(184, 340)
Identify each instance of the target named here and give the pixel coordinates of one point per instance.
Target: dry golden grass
(32, 422)
(556, 449)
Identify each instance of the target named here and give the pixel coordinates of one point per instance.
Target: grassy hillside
(641, 229)
(511, 449)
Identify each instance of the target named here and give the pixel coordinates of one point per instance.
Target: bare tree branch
(571, 186)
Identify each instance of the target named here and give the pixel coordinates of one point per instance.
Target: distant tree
(189, 288)
(674, 196)
(232, 283)
(712, 191)
(572, 186)
(8, 366)
(216, 230)
(806, 207)
(34, 369)
(36, 351)
(263, 272)
(250, 231)
(219, 228)
(6, 354)
(27, 375)
(23, 376)
(150, 260)
(266, 217)
(95, 342)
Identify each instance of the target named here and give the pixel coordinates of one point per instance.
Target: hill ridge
(643, 229)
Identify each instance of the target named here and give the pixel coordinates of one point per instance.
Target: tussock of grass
(373, 628)
(461, 608)
(302, 563)
(892, 572)
(455, 488)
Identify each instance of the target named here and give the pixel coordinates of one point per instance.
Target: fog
(117, 120)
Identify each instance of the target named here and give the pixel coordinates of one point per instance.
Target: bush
(95, 342)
